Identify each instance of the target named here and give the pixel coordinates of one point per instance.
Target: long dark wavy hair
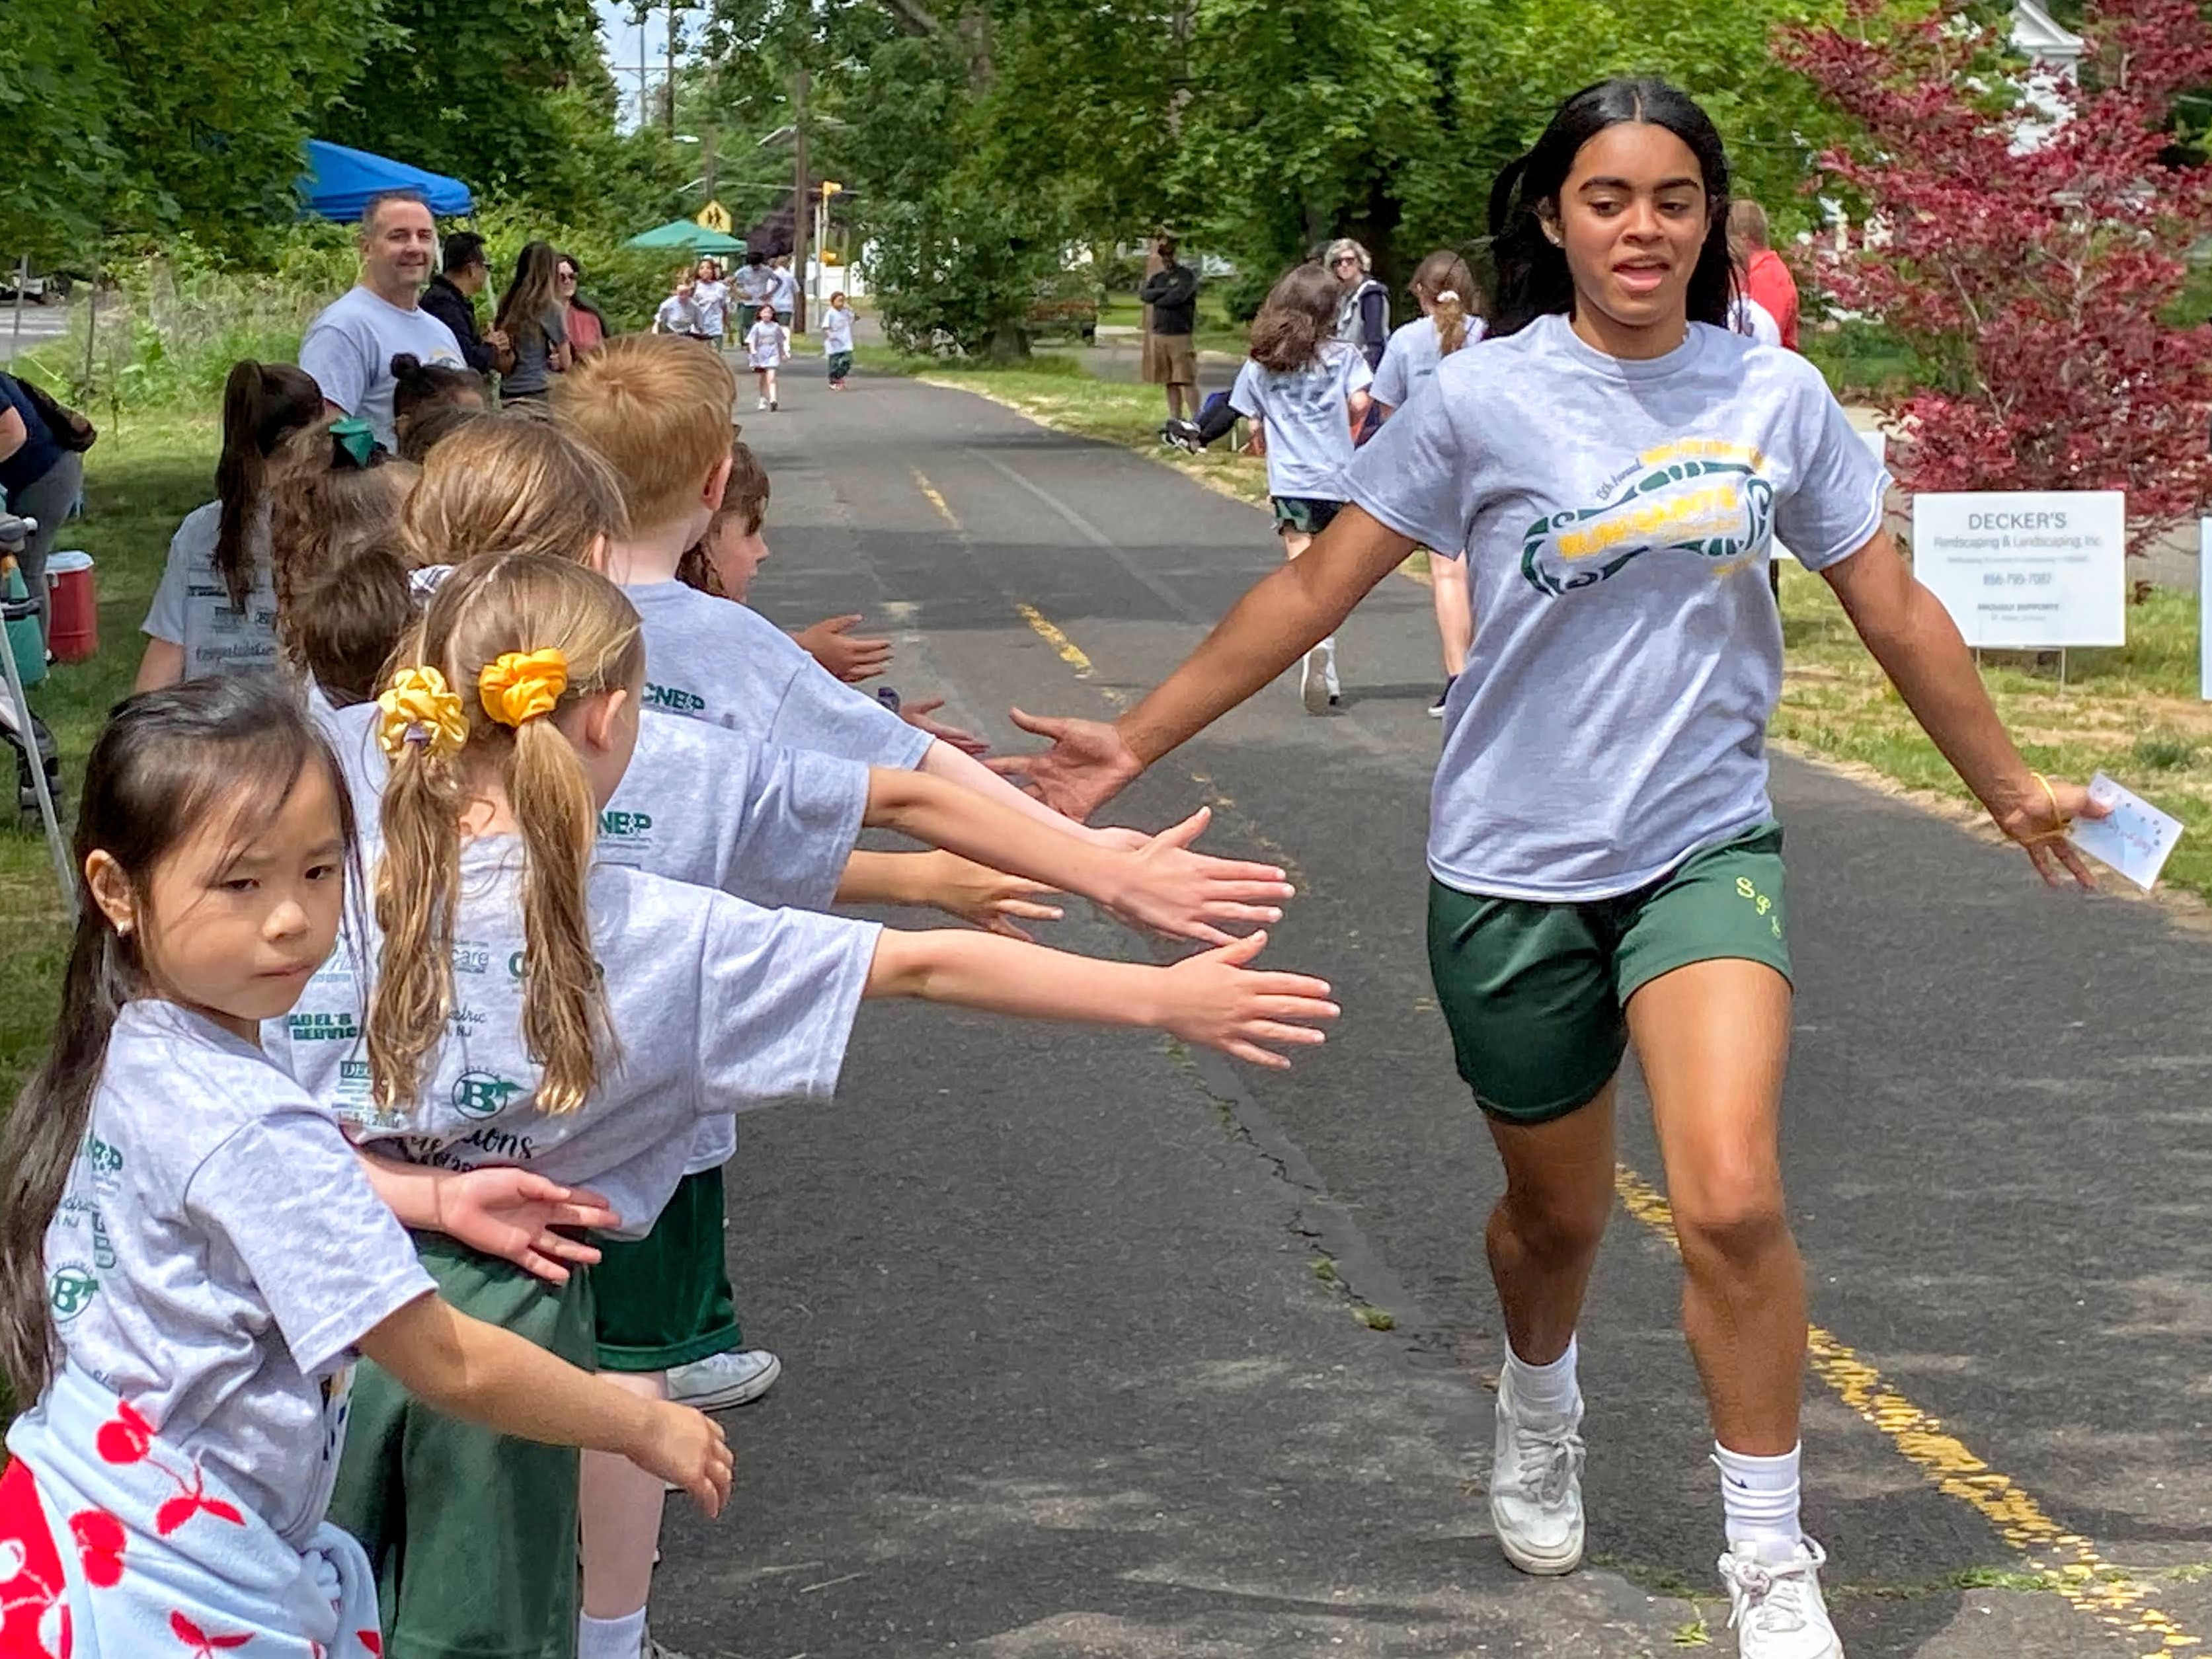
(167, 763)
(1297, 318)
(262, 404)
(1533, 279)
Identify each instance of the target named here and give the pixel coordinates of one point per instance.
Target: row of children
(345, 1209)
(767, 343)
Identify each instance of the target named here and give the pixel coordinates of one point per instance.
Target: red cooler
(73, 616)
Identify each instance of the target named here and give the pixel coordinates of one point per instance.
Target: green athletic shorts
(473, 1534)
(665, 1300)
(1534, 992)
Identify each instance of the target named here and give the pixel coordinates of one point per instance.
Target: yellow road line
(2066, 1562)
(935, 500)
(1066, 649)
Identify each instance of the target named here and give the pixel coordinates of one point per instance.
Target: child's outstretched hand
(687, 1448)
(1176, 892)
(1214, 999)
(832, 644)
(512, 1214)
(991, 899)
(917, 714)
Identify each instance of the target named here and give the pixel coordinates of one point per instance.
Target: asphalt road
(1079, 1327)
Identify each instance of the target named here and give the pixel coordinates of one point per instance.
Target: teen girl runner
(767, 344)
(1606, 864)
(1445, 289)
(1308, 391)
(191, 1256)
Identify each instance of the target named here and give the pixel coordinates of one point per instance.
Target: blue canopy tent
(339, 181)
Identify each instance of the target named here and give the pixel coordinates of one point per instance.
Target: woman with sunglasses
(588, 324)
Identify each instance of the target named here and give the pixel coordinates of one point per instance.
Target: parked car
(1065, 305)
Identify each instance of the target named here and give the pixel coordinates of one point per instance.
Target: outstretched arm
(1282, 617)
(486, 1375)
(1912, 636)
(1164, 885)
(1210, 998)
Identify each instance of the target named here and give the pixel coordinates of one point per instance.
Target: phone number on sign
(2015, 579)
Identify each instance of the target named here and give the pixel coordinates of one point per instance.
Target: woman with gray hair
(1363, 315)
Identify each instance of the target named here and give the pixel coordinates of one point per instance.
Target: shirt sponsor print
(1706, 497)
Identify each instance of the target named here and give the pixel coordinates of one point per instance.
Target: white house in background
(2056, 54)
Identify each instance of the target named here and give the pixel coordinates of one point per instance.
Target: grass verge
(145, 473)
(2133, 712)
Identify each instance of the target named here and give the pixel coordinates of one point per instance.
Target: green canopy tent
(679, 235)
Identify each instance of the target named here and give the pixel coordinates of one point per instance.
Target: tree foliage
(2038, 251)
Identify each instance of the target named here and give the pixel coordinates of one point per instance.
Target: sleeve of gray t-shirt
(801, 816)
(327, 1256)
(1246, 397)
(334, 358)
(1389, 386)
(820, 711)
(778, 993)
(165, 618)
(1834, 506)
(556, 325)
(1412, 476)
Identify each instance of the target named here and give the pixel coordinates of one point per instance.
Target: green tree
(56, 87)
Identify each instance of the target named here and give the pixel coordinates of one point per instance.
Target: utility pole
(707, 158)
(798, 198)
(671, 87)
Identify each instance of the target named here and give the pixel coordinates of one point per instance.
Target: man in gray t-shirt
(348, 349)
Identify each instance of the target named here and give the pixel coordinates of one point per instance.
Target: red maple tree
(2032, 246)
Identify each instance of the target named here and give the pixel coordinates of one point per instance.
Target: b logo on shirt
(1699, 495)
(479, 1094)
(70, 1290)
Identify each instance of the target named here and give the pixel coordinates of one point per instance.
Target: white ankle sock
(1758, 1495)
(1544, 1390)
(609, 1638)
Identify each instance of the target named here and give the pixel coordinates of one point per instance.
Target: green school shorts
(473, 1534)
(665, 1300)
(1534, 993)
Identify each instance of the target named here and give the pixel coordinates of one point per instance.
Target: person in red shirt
(1766, 279)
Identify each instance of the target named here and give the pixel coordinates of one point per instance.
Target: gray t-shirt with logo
(1309, 424)
(191, 608)
(348, 350)
(1618, 517)
(217, 1255)
(716, 1004)
(715, 659)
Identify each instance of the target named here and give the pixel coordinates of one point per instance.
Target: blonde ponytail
(1449, 315)
(521, 636)
(1443, 283)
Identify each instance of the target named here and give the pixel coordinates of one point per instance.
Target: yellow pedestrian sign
(715, 217)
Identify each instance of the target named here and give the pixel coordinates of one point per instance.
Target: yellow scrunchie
(419, 704)
(523, 684)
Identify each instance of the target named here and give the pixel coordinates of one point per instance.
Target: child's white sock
(611, 1639)
(1759, 1496)
(1544, 1390)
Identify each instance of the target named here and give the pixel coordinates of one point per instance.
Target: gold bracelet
(2057, 811)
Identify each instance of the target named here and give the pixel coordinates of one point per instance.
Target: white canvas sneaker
(1774, 1602)
(723, 1379)
(1536, 1487)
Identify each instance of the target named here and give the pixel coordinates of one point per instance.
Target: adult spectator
(348, 349)
(1363, 315)
(782, 290)
(588, 324)
(451, 296)
(710, 296)
(1765, 278)
(1172, 293)
(40, 479)
(534, 315)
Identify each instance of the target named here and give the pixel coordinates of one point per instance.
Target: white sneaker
(723, 1379)
(1774, 1602)
(1536, 1487)
(1314, 674)
(761, 403)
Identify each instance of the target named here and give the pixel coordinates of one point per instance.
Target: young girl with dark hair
(1451, 318)
(1605, 866)
(192, 1256)
(214, 612)
(534, 317)
(1307, 390)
